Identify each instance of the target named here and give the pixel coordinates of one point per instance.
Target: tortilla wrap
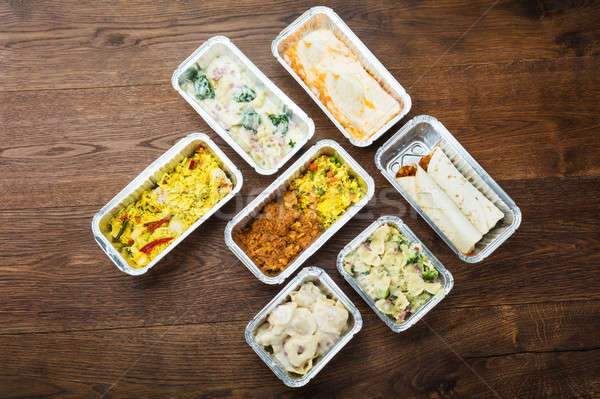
(479, 210)
(440, 209)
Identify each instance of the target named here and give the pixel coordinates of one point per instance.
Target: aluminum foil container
(448, 280)
(147, 179)
(277, 188)
(417, 138)
(221, 45)
(325, 17)
(317, 275)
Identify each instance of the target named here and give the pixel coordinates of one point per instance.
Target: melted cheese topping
(348, 91)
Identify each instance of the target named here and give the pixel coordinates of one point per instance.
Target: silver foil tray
(399, 224)
(277, 188)
(219, 45)
(317, 275)
(147, 179)
(417, 138)
(325, 17)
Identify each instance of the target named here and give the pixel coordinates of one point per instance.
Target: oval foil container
(325, 17)
(403, 228)
(418, 138)
(147, 179)
(276, 190)
(220, 45)
(317, 275)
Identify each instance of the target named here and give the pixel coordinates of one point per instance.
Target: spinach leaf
(245, 95)
(250, 119)
(203, 88)
(281, 121)
(189, 75)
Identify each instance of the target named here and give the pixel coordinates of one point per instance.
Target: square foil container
(417, 138)
(325, 17)
(147, 179)
(221, 45)
(395, 221)
(277, 188)
(317, 275)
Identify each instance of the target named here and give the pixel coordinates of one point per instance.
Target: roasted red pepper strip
(149, 247)
(158, 224)
(192, 164)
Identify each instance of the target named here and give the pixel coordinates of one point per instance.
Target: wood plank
(187, 360)
(53, 256)
(81, 138)
(91, 44)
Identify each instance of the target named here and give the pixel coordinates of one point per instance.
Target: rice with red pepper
(145, 227)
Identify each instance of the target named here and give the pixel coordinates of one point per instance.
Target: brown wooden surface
(86, 103)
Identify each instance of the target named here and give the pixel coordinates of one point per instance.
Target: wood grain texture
(86, 104)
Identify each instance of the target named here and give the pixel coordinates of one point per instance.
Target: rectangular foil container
(399, 224)
(145, 180)
(219, 45)
(417, 138)
(315, 274)
(277, 188)
(325, 17)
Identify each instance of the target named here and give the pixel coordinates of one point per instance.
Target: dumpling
(303, 323)
(325, 341)
(282, 314)
(270, 334)
(300, 350)
(306, 295)
(330, 317)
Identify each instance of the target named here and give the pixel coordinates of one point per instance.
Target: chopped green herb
(321, 191)
(312, 175)
(245, 95)
(121, 230)
(292, 143)
(387, 293)
(326, 171)
(430, 275)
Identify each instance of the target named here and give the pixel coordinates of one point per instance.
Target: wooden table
(86, 103)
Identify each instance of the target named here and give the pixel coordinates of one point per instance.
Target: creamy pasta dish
(301, 330)
(394, 272)
(263, 127)
(337, 77)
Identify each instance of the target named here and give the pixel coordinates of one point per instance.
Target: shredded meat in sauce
(279, 234)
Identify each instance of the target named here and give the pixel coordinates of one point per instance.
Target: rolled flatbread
(479, 210)
(439, 207)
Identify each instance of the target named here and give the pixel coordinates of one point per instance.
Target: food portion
(142, 229)
(479, 210)
(394, 272)
(457, 208)
(336, 76)
(260, 124)
(312, 202)
(299, 331)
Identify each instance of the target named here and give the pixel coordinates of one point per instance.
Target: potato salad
(394, 272)
(301, 330)
(256, 120)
